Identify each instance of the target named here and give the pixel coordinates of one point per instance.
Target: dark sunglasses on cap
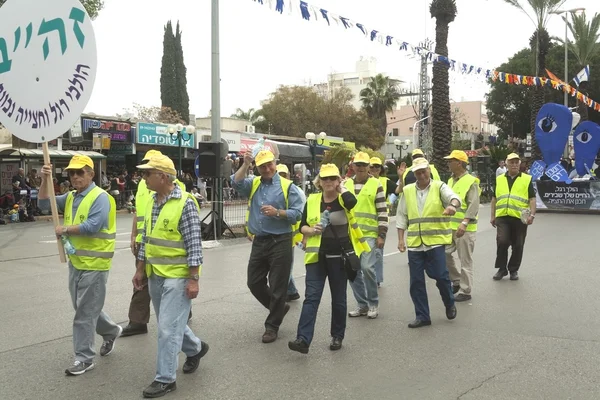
(329, 178)
(78, 172)
(359, 164)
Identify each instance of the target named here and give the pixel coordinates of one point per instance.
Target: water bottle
(69, 249)
(324, 218)
(260, 145)
(300, 246)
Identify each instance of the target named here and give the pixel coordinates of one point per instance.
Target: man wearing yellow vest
(139, 307)
(513, 194)
(424, 213)
(292, 292)
(372, 216)
(389, 187)
(274, 205)
(170, 258)
(90, 223)
(464, 225)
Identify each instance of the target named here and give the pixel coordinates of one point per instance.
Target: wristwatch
(464, 223)
(195, 277)
(277, 215)
(65, 230)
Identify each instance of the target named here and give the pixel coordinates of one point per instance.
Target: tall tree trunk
(540, 43)
(441, 114)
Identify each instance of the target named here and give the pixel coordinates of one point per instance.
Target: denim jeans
(291, 284)
(172, 308)
(364, 286)
(88, 291)
(316, 273)
(434, 263)
(379, 265)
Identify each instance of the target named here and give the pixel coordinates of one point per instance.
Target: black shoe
(417, 323)
(158, 389)
(286, 309)
(134, 329)
(336, 344)
(500, 274)
(300, 346)
(269, 336)
(191, 363)
(514, 276)
(455, 288)
(462, 297)
(451, 312)
(292, 297)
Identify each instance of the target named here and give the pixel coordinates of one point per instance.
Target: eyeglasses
(361, 164)
(78, 172)
(147, 173)
(376, 166)
(329, 178)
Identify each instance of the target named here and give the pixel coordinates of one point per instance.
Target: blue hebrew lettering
(47, 117)
(19, 112)
(61, 113)
(11, 110)
(42, 119)
(78, 15)
(77, 95)
(80, 77)
(6, 62)
(79, 67)
(29, 31)
(53, 110)
(56, 24)
(17, 38)
(74, 81)
(69, 94)
(1, 88)
(28, 115)
(4, 98)
(64, 103)
(35, 120)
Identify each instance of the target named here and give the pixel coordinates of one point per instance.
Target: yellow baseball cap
(328, 170)
(418, 152)
(283, 169)
(458, 155)
(263, 157)
(78, 162)
(375, 161)
(160, 163)
(512, 156)
(419, 163)
(150, 154)
(362, 157)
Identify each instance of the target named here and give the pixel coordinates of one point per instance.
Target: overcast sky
(261, 49)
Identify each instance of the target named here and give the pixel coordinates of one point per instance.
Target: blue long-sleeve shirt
(271, 193)
(98, 216)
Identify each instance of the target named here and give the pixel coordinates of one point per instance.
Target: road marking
(392, 253)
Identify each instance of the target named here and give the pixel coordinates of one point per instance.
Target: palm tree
(540, 44)
(444, 12)
(380, 96)
(251, 115)
(584, 46)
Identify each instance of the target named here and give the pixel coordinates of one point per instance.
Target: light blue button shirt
(271, 193)
(98, 216)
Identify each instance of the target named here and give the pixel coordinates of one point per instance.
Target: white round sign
(48, 66)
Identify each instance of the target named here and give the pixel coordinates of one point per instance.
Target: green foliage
(372, 153)
(460, 144)
(338, 155)
(173, 80)
(183, 99)
(379, 97)
(497, 154)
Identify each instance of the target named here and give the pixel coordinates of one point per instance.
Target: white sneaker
(359, 312)
(373, 312)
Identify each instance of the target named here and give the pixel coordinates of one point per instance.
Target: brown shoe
(269, 336)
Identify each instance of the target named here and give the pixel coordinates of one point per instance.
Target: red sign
(471, 153)
(247, 144)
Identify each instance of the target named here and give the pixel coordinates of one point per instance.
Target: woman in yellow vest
(323, 255)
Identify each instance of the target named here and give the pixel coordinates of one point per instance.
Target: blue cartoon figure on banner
(552, 127)
(586, 143)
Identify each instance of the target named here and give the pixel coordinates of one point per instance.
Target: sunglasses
(78, 172)
(146, 173)
(361, 164)
(376, 166)
(330, 178)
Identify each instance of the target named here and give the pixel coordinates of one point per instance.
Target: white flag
(583, 75)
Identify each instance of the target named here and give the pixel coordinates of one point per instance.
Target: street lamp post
(313, 141)
(402, 145)
(177, 133)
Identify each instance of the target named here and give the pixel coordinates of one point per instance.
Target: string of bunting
(311, 12)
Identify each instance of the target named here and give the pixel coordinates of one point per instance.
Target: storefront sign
(120, 149)
(562, 196)
(47, 66)
(7, 171)
(118, 131)
(158, 135)
(233, 139)
(335, 142)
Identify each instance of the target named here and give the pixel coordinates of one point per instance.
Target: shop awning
(35, 153)
(293, 152)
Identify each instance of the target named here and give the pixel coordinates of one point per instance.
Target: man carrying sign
(90, 221)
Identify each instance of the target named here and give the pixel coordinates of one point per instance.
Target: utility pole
(424, 139)
(217, 206)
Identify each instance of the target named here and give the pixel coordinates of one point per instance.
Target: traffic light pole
(217, 205)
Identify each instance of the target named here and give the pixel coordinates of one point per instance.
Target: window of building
(351, 81)
(395, 132)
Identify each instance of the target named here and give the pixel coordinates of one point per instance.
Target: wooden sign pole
(53, 206)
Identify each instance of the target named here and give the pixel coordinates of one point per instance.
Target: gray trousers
(88, 290)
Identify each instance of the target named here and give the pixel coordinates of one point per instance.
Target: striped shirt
(380, 205)
(189, 226)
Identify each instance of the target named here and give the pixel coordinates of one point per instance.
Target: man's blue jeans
(365, 284)
(291, 284)
(172, 307)
(333, 270)
(379, 265)
(434, 263)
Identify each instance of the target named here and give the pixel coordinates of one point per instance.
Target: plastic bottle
(324, 218)
(300, 246)
(69, 249)
(260, 145)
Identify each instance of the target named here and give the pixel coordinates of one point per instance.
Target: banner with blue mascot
(552, 127)
(586, 143)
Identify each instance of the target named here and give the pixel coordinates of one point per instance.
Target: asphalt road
(536, 338)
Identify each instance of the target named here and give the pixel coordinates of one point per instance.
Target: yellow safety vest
(313, 217)
(95, 251)
(434, 173)
(432, 228)
(478, 181)
(143, 197)
(285, 188)
(383, 180)
(512, 202)
(365, 210)
(461, 188)
(165, 250)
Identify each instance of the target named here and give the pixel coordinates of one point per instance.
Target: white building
(366, 69)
